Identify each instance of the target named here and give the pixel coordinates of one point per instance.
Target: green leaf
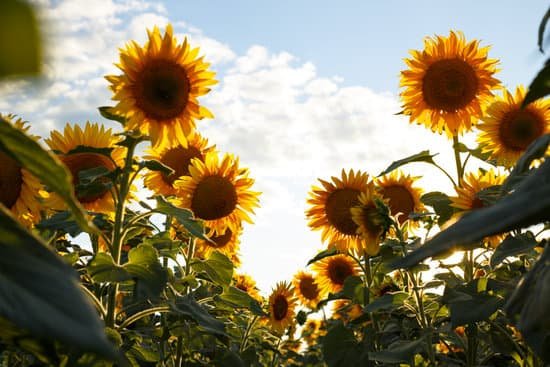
(353, 289)
(401, 351)
(441, 203)
(40, 293)
(229, 359)
(188, 307)
(217, 267)
(540, 86)
(239, 298)
(477, 152)
(387, 302)
(542, 27)
(44, 165)
(479, 308)
(183, 216)
(154, 165)
(321, 255)
(103, 269)
(512, 246)
(340, 348)
(20, 44)
(535, 150)
(423, 156)
(107, 113)
(64, 221)
(143, 263)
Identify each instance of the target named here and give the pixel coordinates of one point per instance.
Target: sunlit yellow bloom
(448, 83)
(77, 149)
(19, 189)
(330, 209)
(218, 192)
(370, 221)
(332, 271)
(246, 284)
(281, 307)
(467, 198)
(312, 329)
(159, 88)
(346, 310)
(507, 129)
(226, 242)
(306, 289)
(178, 158)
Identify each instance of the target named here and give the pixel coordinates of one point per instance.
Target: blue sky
(306, 88)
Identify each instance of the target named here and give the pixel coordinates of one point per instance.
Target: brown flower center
(400, 201)
(221, 240)
(280, 307)
(477, 203)
(519, 128)
(308, 287)
(161, 89)
(11, 180)
(338, 270)
(449, 85)
(78, 162)
(337, 208)
(215, 197)
(179, 159)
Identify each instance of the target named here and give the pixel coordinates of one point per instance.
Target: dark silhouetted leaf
(183, 216)
(239, 298)
(387, 302)
(340, 348)
(400, 351)
(105, 111)
(423, 156)
(535, 150)
(154, 165)
(187, 306)
(321, 255)
(441, 204)
(512, 246)
(540, 86)
(542, 27)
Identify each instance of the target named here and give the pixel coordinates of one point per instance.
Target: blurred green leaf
(353, 289)
(340, 348)
(535, 150)
(183, 216)
(217, 267)
(540, 86)
(512, 246)
(44, 165)
(478, 308)
(105, 111)
(401, 351)
(154, 165)
(542, 27)
(321, 255)
(423, 156)
(187, 306)
(20, 43)
(40, 293)
(441, 203)
(239, 298)
(387, 302)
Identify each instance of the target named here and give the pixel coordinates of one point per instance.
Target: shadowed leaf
(423, 156)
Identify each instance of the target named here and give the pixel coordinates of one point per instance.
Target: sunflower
(226, 242)
(178, 158)
(468, 197)
(159, 88)
(281, 307)
(218, 192)
(402, 195)
(507, 129)
(346, 310)
(371, 220)
(19, 189)
(332, 271)
(306, 289)
(312, 329)
(448, 83)
(246, 284)
(330, 209)
(78, 148)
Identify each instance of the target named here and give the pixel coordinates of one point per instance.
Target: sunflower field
(144, 291)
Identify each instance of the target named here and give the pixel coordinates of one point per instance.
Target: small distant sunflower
(402, 195)
(312, 329)
(246, 284)
(330, 208)
(467, 198)
(448, 83)
(218, 192)
(507, 129)
(306, 289)
(332, 271)
(346, 310)
(226, 242)
(281, 307)
(178, 158)
(92, 136)
(159, 88)
(372, 223)
(19, 189)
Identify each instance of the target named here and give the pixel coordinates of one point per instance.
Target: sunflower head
(306, 289)
(507, 129)
(312, 329)
(282, 305)
(330, 208)
(79, 149)
(332, 271)
(177, 158)
(20, 191)
(470, 195)
(225, 241)
(218, 192)
(448, 83)
(159, 87)
(246, 284)
(346, 310)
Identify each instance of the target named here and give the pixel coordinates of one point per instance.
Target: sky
(306, 88)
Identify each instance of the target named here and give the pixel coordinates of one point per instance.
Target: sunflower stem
(366, 298)
(246, 334)
(458, 162)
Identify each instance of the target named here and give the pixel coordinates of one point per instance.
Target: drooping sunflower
(306, 289)
(246, 284)
(178, 158)
(226, 242)
(402, 195)
(330, 209)
(86, 157)
(218, 192)
(371, 220)
(332, 271)
(468, 198)
(159, 88)
(282, 306)
(448, 83)
(507, 129)
(19, 189)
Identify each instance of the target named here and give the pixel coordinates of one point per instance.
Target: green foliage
(423, 156)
